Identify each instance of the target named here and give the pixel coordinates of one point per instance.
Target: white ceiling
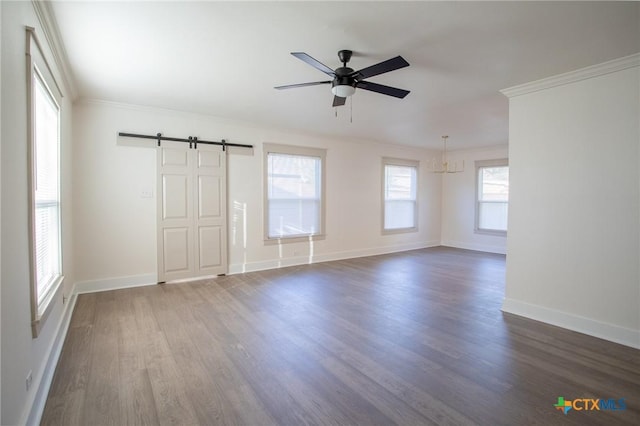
(223, 58)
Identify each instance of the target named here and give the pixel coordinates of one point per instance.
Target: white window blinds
(400, 196)
(46, 189)
(493, 198)
(294, 195)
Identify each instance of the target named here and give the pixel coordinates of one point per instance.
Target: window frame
(479, 165)
(273, 148)
(38, 69)
(388, 161)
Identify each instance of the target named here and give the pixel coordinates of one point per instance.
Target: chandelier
(445, 166)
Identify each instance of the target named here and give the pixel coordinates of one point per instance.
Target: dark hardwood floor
(410, 338)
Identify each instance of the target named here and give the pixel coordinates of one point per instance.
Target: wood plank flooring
(414, 338)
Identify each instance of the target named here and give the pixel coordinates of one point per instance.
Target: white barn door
(210, 210)
(192, 225)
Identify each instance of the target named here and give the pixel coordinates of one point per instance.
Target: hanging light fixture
(445, 166)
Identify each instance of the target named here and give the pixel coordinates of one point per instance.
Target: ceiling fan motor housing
(345, 56)
(343, 85)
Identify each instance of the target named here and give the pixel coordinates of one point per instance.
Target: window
(400, 209)
(294, 192)
(44, 175)
(492, 196)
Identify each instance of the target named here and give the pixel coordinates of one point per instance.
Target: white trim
(106, 284)
(477, 247)
(300, 151)
(591, 327)
(240, 268)
(40, 74)
(52, 35)
(414, 164)
(33, 415)
(608, 67)
(393, 161)
(481, 164)
(498, 162)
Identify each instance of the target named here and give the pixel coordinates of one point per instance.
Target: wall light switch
(146, 192)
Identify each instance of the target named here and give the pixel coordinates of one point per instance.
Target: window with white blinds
(44, 100)
(294, 201)
(400, 200)
(492, 196)
(46, 194)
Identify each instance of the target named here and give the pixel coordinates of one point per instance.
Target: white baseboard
(239, 268)
(476, 247)
(107, 284)
(602, 330)
(117, 283)
(34, 415)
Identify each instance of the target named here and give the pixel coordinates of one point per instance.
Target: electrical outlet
(29, 379)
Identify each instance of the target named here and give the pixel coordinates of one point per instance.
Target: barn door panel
(191, 211)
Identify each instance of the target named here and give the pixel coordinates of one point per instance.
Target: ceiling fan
(346, 80)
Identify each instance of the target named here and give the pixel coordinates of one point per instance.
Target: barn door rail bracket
(193, 141)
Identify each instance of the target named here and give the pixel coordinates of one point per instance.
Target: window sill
(44, 309)
(399, 231)
(495, 233)
(293, 239)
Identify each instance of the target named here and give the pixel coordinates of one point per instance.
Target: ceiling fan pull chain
(351, 110)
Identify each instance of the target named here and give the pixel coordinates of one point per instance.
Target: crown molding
(52, 35)
(574, 76)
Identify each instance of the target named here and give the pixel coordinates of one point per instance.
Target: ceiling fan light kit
(346, 80)
(342, 90)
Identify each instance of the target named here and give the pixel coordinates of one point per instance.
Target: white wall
(115, 229)
(574, 208)
(20, 352)
(0, 218)
(458, 202)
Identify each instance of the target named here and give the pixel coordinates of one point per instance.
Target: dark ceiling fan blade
(314, 63)
(380, 88)
(292, 86)
(380, 68)
(338, 101)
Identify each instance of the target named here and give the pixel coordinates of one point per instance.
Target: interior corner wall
(20, 352)
(458, 202)
(574, 208)
(115, 227)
